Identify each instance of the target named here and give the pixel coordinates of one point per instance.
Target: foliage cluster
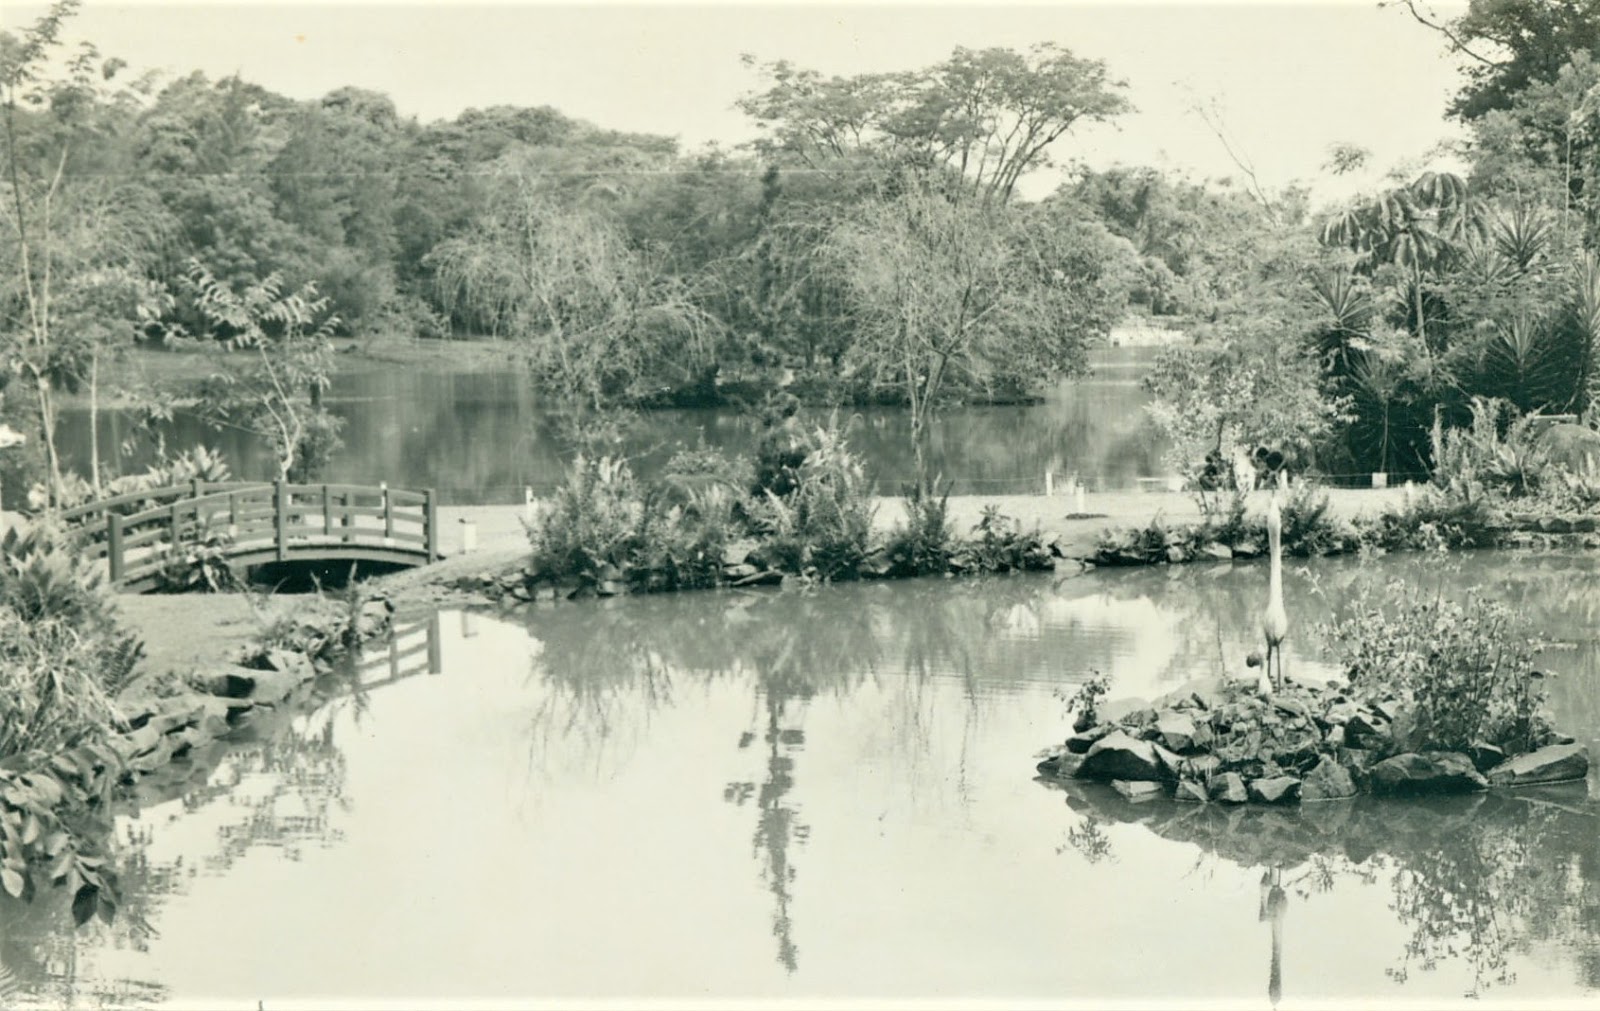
(1466, 669)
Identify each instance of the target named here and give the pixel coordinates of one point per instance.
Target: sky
(1289, 77)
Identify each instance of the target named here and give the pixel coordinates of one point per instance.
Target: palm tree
(1414, 227)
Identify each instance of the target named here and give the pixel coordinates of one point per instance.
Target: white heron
(1274, 620)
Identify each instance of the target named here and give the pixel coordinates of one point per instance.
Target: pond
(482, 437)
(830, 794)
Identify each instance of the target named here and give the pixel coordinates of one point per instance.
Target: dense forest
(873, 246)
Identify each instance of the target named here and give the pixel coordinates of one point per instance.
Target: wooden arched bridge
(141, 534)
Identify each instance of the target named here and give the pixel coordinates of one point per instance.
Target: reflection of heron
(1274, 901)
(1274, 620)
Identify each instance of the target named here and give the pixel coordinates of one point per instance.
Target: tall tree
(989, 115)
(955, 295)
(1510, 45)
(79, 234)
(275, 392)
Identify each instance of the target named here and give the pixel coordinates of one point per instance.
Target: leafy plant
(588, 530)
(1224, 519)
(999, 544)
(922, 544)
(1085, 700)
(823, 525)
(1466, 669)
(1308, 526)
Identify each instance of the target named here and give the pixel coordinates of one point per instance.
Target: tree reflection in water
(609, 672)
(1474, 879)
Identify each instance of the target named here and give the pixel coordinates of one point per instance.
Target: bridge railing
(255, 519)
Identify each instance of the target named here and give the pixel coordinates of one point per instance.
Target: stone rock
(1388, 708)
(1339, 713)
(1430, 772)
(1189, 790)
(1176, 554)
(1201, 767)
(1275, 790)
(1080, 742)
(1177, 730)
(1576, 448)
(272, 686)
(766, 578)
(1171, 764)
(1244, 549)
(1327, 781)
(1118, 710)
(1555, 525)
(1068, 765)
(289, 662)
(1203, 735)
(1136, 789)
(1363, 725)
(1118, 756)
(1229, 788)
(1485, 756)
(1221, 552)
(737, 552)
(1556, 763)
(608, 588)
(1335, 737)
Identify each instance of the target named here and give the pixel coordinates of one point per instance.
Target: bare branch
(1443, 29)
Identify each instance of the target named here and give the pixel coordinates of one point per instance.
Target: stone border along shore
(1220, 740)
(1078, 541)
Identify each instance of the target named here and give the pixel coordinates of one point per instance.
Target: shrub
(1224, 520)
(999, 544)
(823, 525)
(1466, 669)
(781, 448)
(588, 529)
(56, 680)
(1308, 526)
(42, 576)
(681, 537)
(922, 545)
(1497, 453)
(1434, 520)
(194, 464)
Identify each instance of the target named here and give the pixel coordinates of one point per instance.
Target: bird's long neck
(1275, 557)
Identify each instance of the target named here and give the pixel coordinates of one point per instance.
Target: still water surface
(481, 437)
(830, 794)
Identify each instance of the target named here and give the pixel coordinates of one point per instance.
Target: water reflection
(825, 795)
(1472, 879)
(481, 437)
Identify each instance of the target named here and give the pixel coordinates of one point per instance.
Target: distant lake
(481, 437)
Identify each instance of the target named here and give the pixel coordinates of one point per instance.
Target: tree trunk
(47, 434)
(94, 420)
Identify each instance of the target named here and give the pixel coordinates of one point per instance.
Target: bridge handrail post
(280, 520)
(174, 524)
(114, 546)
(388, 515)
(430, 523)
(327, 512)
